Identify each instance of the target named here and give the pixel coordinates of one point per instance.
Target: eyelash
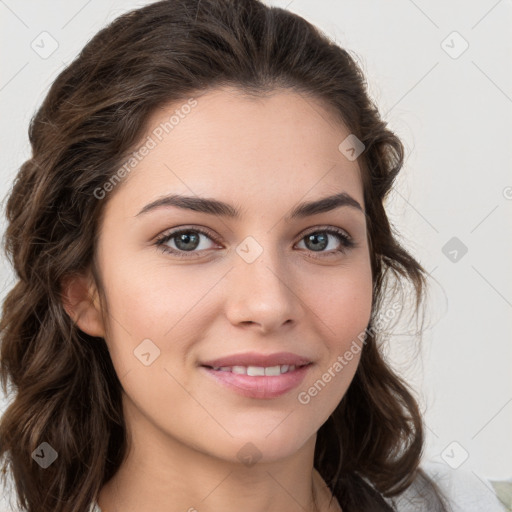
(346, 241)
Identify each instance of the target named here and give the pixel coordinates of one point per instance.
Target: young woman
(203, 265)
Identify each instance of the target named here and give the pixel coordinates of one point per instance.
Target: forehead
(225, 143)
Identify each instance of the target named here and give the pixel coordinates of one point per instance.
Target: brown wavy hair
(64, 386)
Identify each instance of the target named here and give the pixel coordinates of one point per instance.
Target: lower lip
(268, 386)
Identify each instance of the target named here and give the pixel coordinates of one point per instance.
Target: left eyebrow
(324, 205)
(220, 208)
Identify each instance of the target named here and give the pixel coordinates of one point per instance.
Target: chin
(263, 447)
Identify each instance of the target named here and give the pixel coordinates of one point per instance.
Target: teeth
(273, 370)
(257, 371)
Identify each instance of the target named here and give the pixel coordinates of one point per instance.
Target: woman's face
(274, 278)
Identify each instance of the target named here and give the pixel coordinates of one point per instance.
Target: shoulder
(464, 490)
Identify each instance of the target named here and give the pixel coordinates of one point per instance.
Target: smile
(258, 381)
(257, 371)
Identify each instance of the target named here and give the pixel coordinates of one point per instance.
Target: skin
(265, 156)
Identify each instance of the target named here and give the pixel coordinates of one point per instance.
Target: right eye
(185, 241)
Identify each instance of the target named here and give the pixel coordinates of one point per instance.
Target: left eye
(320, 240)
(188, 240)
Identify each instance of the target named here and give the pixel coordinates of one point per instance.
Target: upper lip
(255, 359)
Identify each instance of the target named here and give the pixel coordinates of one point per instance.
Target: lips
(262, 376)
(255, 359)
(260, 387)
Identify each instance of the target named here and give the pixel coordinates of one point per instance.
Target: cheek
(154, 297)
(157, 303)
(342, 304)
(344, 312)
(342, 301)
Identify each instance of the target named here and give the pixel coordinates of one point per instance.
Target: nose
(262, 294)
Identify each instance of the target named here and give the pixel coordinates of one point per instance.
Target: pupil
(184, 239)
(314, 238)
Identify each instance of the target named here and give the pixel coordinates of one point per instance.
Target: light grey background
(453, 113)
